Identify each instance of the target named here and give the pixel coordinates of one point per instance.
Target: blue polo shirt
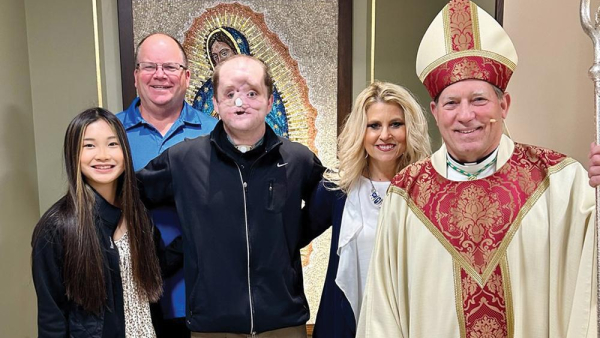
(146, 143)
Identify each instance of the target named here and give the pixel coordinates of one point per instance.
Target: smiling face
(469, 116)
(158, 90)
(385, 137)
(241, 99)
(101, 159)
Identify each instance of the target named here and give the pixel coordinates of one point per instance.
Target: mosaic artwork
(229, 29)
(297, 40)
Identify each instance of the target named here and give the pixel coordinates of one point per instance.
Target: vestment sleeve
(573, 293)
(47, 269)
(380, 314)
(155, 181)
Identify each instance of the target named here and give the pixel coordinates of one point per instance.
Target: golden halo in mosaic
(263, 44)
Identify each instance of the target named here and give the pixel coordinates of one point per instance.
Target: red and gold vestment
(508, 255)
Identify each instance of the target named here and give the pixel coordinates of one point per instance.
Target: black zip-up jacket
(57, 315)
(243, 228)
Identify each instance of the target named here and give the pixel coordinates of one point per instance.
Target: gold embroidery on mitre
(466, 53)
(447, 33)
(476, 35)
(468, 69)
(461, 25)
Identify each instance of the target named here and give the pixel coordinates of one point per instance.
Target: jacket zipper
(245, 190)
(271, 195)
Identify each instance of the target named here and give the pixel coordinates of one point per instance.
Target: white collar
(505, 151)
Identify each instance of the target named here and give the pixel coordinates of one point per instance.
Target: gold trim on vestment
(465, 53)
(508, 303)
(560, 166)
(460, 310)
(507, 288)
(501, 250)
(438, 234)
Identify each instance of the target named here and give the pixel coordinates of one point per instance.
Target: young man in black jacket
(238, 194)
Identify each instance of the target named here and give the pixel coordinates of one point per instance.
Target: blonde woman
(385, 132)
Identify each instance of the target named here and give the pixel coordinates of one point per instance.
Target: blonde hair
(351, 151)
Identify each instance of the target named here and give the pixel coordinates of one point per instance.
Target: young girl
(94, 261)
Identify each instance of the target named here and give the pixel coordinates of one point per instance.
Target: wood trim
(125, 14)
(309, 329)
(499, 14)
(344, 97)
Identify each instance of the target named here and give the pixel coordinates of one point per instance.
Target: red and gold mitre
(464, 42)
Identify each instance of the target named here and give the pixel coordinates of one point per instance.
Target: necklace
(374, 196)
(470, 176)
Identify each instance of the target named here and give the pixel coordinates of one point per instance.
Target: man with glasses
(156, 120)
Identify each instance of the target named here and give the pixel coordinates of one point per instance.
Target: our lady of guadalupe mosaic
(230, 29)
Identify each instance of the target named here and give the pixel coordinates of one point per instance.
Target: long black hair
(74, 215)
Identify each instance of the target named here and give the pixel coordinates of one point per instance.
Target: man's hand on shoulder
(594, 165)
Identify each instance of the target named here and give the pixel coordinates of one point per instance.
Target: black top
(57, 315)
(242, 228)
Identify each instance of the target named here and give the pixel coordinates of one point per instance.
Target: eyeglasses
(167, 67)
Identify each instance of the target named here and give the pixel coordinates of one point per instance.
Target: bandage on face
(238, 98)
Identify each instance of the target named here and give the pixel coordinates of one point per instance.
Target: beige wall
(552, 95)
(19, 208)
(49, 75)
(63, 81)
